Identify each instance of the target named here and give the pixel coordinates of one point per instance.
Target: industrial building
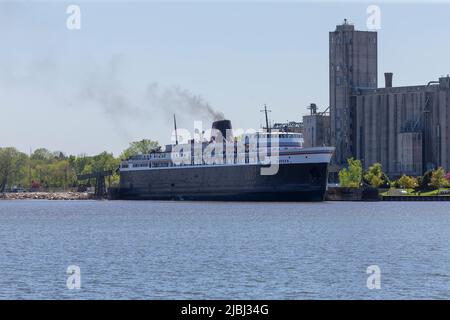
(403, 128)
(316, 128)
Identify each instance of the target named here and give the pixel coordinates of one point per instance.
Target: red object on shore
(35, 185)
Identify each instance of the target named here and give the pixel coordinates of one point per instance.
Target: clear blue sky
(86, 91)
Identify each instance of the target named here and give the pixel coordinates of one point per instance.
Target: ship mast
(267, 119)
(175, 125)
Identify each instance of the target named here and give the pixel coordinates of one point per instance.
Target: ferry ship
(231, 173)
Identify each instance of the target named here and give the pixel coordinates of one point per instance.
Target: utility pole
(267, 118)
(29, 172)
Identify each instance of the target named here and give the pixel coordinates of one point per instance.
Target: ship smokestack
(220, 128)
(388, 79)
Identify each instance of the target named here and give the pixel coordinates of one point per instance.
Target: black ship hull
(293, 182)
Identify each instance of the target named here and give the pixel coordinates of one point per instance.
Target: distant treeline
(44, 169)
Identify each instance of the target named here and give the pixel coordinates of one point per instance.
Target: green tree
(407, 182)
(79, 163)
(351, 177)
(42, 154)
(424, 181)
(12, 167)
(61, 175)
(104, 161)
(59, 155)
(53, 169)
(144, 146)
(438, 179)
(375, 176)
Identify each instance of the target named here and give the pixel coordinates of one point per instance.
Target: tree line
(353, 176)
(46, 170)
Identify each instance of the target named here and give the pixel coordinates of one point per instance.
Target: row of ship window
(170, 164)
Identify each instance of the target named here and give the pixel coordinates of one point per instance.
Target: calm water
(165, 250)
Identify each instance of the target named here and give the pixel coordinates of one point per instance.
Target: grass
(430, 193)
(411, 192)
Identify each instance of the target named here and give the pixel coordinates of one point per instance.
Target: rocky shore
(46, 196)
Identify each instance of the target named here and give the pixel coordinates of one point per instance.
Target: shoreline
(46, 196)
(73, 196)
